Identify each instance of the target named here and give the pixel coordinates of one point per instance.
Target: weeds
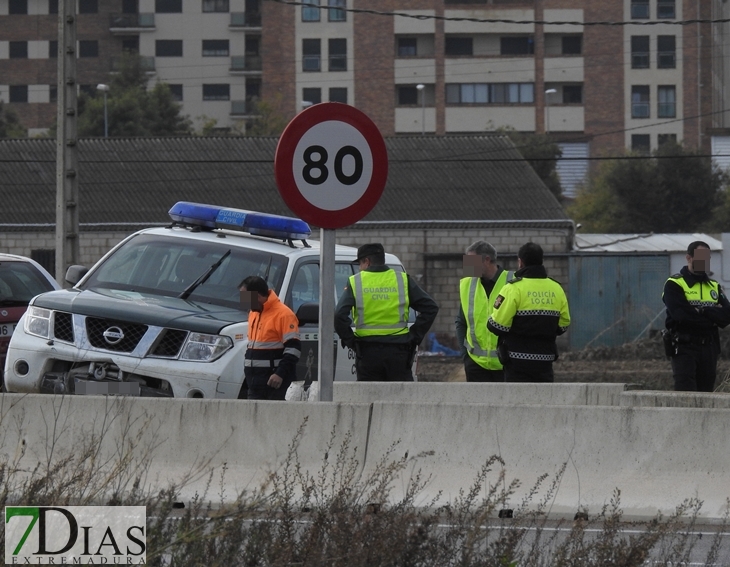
(340, 516)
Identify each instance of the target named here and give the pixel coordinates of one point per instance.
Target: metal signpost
(331, 166)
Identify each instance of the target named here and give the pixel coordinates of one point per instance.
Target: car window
(167, 266)
(20, 282)
(305, 283)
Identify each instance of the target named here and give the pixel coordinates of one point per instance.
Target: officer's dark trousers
(694, 367)
(519, 371)
(476, 373)
(383, 362)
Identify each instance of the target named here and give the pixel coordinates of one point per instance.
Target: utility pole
(67, 183)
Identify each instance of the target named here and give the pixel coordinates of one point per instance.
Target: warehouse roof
(137, 180)
(641, 242)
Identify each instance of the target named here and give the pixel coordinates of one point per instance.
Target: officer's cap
(369, 250)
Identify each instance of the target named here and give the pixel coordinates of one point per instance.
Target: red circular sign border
(284, 157)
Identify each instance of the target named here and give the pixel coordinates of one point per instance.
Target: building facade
(590, 73)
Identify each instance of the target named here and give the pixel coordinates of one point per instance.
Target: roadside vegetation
(339, 516)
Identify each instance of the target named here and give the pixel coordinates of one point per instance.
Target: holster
(502, 353)
(669, 339)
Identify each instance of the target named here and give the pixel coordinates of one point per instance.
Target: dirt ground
(642, 363)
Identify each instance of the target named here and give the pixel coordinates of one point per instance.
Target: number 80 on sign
(331, 165)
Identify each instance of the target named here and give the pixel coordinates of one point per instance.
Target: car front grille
(132, 334)
(170, 343)
(63, 327)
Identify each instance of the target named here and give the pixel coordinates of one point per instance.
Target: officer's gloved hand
(348, 343)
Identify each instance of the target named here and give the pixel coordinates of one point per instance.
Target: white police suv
(160, 314)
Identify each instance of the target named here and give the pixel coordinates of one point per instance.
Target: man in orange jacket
(273, 342)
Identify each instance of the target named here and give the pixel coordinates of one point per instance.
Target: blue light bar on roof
(258, 224)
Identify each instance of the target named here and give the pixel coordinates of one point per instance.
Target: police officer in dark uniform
(528, 314)
(696, 307)
(377, 299)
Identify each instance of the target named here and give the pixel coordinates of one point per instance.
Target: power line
(506, 20)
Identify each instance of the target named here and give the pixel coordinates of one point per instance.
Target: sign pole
(326, 314)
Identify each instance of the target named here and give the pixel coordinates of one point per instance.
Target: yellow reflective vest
(381, 303)
(702, 294)
(480, 343)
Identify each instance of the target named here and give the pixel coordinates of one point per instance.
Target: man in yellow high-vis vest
(483, 280)
(377, 301)
(528, 315)
(696, 307)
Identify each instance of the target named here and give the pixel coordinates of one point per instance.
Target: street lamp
(420, 88)
(547, 109)
(105, 89)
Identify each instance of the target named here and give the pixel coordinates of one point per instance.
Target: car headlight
(205, 348)
(38, 322)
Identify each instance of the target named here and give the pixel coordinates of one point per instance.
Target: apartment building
(590, 73)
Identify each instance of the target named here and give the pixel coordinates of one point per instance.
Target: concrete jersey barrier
(716, 400)
(591, 394)
(656, 456)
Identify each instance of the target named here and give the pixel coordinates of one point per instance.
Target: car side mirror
(308, 313)
(75, 273)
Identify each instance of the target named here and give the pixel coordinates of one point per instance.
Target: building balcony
(245, 21)
(243, 108)
(125, 23)
(246, 65)
(146, 62)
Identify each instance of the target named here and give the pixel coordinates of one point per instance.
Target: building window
(130, 6)
(639, 51)
(517, 45)
(665, 10)
(169, 48)
(88, 6)
(311, 55)
(177, 92)
(168, 6)
(407, 96)
(639, 10)
(312, 95)
(456, 45)
(641, 143)
(18, 50)
(572, 94)
(666, 52)
(338, 54)
(572, 44)
(18, 93)
(52, 93)
(53, 49)
(18, 7)
(310, 13)
(215, 48)
(666, 139)
(336, 12)
(130, 44)
(338, 94)
(490, 93)
(640, 101)
(88, 48)
(667, 101)
(215, 6)
(53, 6)
(216, 92)
(407, 47)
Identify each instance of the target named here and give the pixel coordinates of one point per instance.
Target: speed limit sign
(331, 165)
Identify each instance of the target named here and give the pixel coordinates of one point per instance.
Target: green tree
(542, 154)
(674, 190)
(132, 109)
(10, 126)
(269, 120)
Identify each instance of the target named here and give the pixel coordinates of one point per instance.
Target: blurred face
(700, 262)
(473, 265)
(251, 300)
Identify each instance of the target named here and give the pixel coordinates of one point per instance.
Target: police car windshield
(159, 265)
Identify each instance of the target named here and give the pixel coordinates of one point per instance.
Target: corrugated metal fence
(615, 299)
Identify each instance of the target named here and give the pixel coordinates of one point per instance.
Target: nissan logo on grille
(113, 335)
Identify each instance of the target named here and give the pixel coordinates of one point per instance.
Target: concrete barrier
(591, 394)
(656, 456)
(178, 441)
(676, 399)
